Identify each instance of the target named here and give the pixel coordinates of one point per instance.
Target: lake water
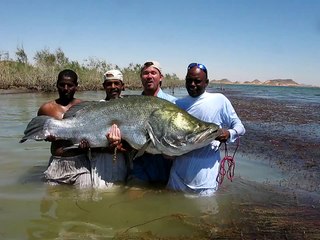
(256, 205)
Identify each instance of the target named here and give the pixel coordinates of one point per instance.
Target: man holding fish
(108, 169)
(196, 172)
(65, 166)
(159, 127)
(149, 168)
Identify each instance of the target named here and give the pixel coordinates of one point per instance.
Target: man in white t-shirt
(196, 172)
(107, 167)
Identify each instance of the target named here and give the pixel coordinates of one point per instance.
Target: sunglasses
(198, 65)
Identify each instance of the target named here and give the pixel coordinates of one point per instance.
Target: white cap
(154, 64)
(113, 74)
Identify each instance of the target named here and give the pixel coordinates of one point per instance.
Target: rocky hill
(273, 82)
(281, 82)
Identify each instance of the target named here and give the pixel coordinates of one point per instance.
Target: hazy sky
(240, 40)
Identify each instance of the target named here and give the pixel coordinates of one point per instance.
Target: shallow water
(259, 203)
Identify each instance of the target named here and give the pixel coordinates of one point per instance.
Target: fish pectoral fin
(138, 154)
(167, 142)
(141, 151)
(151, 135)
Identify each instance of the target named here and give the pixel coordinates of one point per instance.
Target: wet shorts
(73, 170)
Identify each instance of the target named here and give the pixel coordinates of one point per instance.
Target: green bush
(42, 74)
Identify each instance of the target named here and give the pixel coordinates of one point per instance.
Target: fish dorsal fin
(76, 108)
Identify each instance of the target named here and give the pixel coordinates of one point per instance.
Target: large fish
(147, 123)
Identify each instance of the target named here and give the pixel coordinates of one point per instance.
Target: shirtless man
(65, 166)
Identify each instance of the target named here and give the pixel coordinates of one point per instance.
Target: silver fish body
(147, 123)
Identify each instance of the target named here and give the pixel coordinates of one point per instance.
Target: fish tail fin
(35, 129)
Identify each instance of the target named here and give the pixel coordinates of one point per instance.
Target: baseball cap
(154, 64)
(113, 74)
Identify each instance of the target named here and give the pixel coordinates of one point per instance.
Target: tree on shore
(21, 55)
(41, 76)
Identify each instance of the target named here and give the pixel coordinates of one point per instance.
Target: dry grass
(18, 75)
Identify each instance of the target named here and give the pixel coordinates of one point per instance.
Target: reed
(42, 75)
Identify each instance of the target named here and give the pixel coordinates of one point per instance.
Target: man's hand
(50, 138)
(84, 144)
(114, 136)
(224, 135)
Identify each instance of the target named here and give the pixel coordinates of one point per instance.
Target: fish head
(175, 132)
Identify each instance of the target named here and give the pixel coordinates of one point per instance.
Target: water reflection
(71, 213)
(238, 210)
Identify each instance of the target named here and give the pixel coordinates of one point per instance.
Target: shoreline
(15, 90)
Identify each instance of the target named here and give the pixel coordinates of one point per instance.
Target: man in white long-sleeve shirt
(196, 172)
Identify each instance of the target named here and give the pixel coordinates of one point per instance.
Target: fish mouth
(205, 135)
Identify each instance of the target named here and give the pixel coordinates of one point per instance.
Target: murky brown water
(257, 205)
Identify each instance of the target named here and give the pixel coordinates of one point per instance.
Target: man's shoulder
(48, 105)
(207, 95)
(166, 96)
(55, 109)
(49, 109)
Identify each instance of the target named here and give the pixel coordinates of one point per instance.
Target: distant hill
(281, 82)
(254, 82)
(273, 82)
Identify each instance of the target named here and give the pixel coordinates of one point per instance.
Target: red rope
(231, 162)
